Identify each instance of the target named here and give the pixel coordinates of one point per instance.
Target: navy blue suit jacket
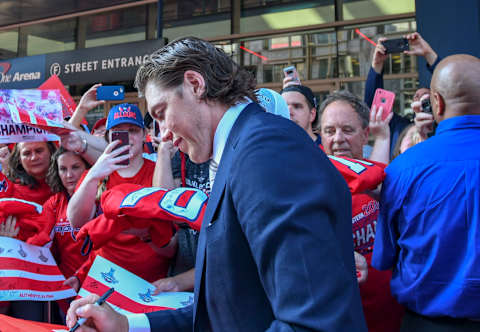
(275, 251)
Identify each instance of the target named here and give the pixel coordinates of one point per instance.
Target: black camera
(426, 106)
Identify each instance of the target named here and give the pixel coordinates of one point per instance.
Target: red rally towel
(18, 207)
(32, 226)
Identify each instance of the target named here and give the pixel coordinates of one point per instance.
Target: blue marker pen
(99, 302)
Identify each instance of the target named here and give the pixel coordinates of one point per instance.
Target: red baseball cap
(100, 122)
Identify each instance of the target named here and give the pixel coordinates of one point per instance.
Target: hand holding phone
(122, 136)
(292, 72)
(110, 92)
(397, 45)
(384, 98)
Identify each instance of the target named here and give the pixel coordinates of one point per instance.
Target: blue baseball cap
(124, 113)
(272, 102)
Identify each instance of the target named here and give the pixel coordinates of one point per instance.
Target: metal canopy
(20, 11)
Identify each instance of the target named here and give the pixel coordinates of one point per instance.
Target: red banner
(68, 104)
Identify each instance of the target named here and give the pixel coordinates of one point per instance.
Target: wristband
(84, 147)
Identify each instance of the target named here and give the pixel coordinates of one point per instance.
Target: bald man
(429, 226)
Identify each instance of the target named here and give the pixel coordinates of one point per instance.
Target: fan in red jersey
(26, 171)
(345, 123)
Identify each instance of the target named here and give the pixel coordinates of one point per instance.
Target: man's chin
(200, 160)
(343, 153)
(197, 158)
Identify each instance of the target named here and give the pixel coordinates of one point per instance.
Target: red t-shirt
(143, 177)
(129, 251)
(64, 247)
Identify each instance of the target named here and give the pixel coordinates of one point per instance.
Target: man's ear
(440, 102)
(313, 113)
(366, 133)
(194, 81)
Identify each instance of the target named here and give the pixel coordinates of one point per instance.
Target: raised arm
(375, 74)
(420, 47)
(87, 102)
(163, 174)
(380, 130)
(82, 205)
(88, 146)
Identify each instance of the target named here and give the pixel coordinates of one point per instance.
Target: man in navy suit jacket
(275, 251)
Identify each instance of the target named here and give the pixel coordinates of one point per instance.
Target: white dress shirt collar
(223, 130)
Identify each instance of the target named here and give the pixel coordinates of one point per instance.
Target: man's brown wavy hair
(226, 82)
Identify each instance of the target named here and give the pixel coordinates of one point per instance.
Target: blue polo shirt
(429, 225)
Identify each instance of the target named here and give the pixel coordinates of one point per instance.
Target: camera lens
(383, 100)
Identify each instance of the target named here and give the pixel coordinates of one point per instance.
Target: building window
(355, 9)
(8, 44)
(199, 18)
(261, 15)
(50, 37)
(116, 27)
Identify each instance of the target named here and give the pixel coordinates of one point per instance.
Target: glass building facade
(319, 37)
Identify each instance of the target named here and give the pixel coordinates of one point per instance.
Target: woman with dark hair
(65, 170)
(27, 169)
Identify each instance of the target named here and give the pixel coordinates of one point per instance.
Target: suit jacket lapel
(214, 201)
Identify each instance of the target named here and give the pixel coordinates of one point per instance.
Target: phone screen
(396, 45)
(123, 137)
(385, 99)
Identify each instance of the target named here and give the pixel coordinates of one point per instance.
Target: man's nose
(167, 135)
(290, 110)
(339, 136)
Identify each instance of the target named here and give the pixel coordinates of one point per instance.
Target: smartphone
(291, 72)
(426, 106)
(121, 135)
(110, 92)
(396, 45)
(385, 99)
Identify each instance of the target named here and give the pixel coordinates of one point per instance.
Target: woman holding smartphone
(133, 251)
